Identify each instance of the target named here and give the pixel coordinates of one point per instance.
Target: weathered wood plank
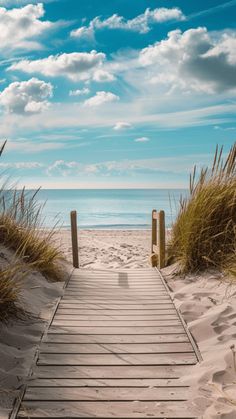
(123, 298)
(118, 313)
(114, 323)
(117, 359)
(106, 382)
(117, 294)
(121, 307)
(124, 302)
(101, 338)
(108, 410)
(107, 394)
(115, 348)
(141, 330)
(78, 316)
(111, 371)
(113, 285)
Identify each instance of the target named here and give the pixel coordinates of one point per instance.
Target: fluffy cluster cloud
(63, 168)
(101, 98)
(19, 26)
(79, 92)
(141, 23)
(75, 66)
(121, 167)
(193, 60)
(26, 97)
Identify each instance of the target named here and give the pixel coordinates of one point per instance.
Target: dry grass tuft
(10, 280)
(21, 230)
(204, 233)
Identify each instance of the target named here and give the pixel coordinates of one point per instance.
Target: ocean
(108, 208)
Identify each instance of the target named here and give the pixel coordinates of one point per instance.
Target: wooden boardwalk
(116, 348)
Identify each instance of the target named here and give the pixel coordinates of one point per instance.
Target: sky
(115, 94)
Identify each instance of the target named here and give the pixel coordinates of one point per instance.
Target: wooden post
(74, 239)
(154, 237)
(161, 239)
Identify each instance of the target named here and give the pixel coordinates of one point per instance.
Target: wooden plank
(111, 371)
(161, 240)
(74, 239)
(117, 285)
(106, 382)
(154, 236)
(126, 301)
(129, 294)
(128, 312)
(142, 330)
(94, 348)
(120, 307)
(116, 359)
(130, 284)
(101, 338)
(113, 298)
(111, 317)
(115, 323)
(108, 410)
(105, 393)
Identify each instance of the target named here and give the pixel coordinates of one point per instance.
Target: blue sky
(115, 94)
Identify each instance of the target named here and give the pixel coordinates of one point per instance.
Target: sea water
(108, 208)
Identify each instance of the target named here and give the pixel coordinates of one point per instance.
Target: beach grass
(10, 286)
(204, 233)
(21, 230)
(34, 248)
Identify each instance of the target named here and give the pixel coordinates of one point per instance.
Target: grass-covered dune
(204, 233)
(21, 231)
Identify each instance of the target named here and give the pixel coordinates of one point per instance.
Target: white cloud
(217, 127)
(195, 60)
(10, 3)
(25, 146)
(84, 32)
(20, 26)
(141, 23)
(76, 66)
(103, 76)
(26, 97)
(100, 98)
(142, 140)
(121, 126)
(63, 168)
(79, 92)
(21, 165)
(123, 167)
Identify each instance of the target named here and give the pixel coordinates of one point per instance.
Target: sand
(207, 303)
(103, 249)
(19, 339)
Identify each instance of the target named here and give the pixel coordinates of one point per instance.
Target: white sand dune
(208, 305)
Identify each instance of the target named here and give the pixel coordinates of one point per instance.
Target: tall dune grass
(10, 284)
(21, 230)
(204, 233)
